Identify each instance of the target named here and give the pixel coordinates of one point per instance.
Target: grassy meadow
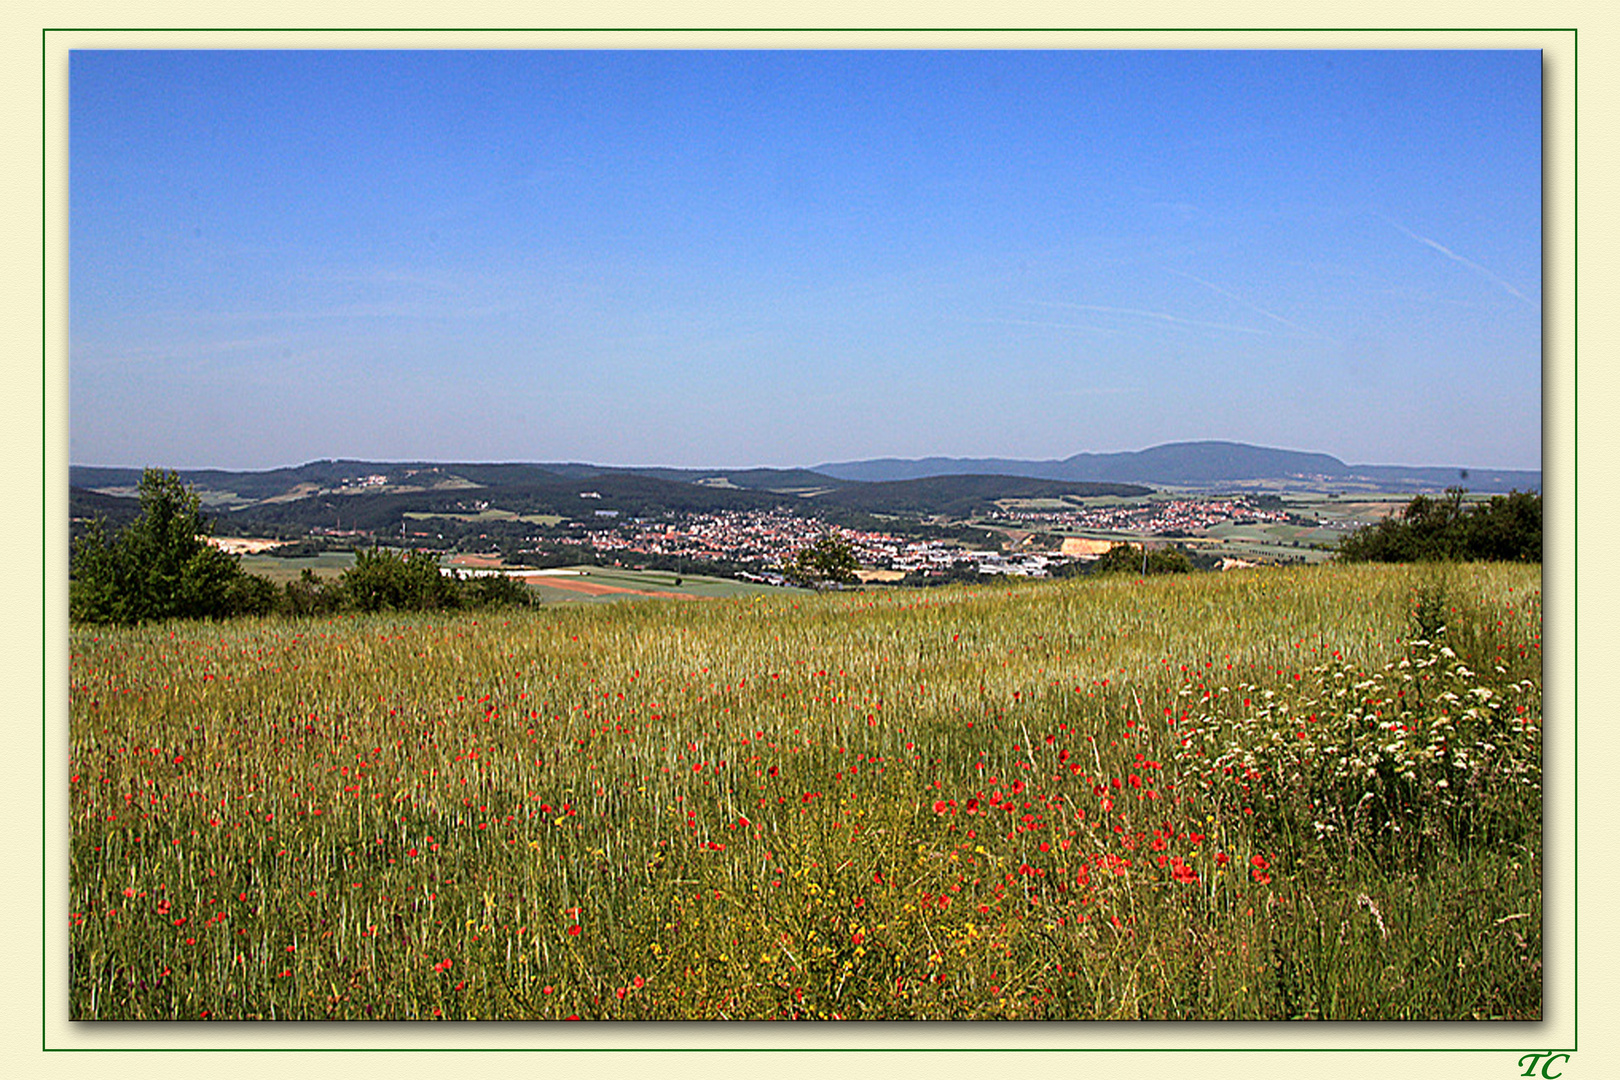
(1261, 795)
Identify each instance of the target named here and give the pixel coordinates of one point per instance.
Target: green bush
(410, 581)
(499, 590)
(390, 581)
(309, 595)
(1505, 529)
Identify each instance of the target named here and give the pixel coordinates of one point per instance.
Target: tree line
(161, 566)
(1507, 528)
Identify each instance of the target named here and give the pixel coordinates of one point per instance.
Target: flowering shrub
(1423, 750)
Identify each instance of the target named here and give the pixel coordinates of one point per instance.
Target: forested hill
(380, 495)
(375, 496)
(1200, 464)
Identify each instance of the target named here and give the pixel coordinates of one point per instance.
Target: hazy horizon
(738, 467)
(790, 259)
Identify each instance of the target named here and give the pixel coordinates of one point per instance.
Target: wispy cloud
(1454, 257)
(1046, 324)
(391, 311)
(1159, 316)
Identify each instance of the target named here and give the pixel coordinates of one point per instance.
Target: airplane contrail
(1160, 315)
(1053, 325)
(1453, 256)
(1238, 299)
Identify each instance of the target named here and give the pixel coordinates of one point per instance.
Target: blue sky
(787, 258)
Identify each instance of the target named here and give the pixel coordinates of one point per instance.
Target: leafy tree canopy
(383, 580)
(1505, 529)
(161, 566)
(830, 559)
(1127, 559)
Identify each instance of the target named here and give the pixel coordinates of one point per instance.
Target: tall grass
(1113, 799)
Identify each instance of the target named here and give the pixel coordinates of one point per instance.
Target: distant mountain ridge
(1194, 464)
(557, 487)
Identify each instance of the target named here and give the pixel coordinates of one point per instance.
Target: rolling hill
(378, 496)
(1198, 464)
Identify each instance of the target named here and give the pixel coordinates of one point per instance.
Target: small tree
(160, 567)
(1129, 559)
(830, 559)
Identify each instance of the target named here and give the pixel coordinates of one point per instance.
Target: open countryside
(1133, 791)
(1025, 538)
(743, 524)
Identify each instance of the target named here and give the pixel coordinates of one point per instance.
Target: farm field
(578, 584)
(328, 564)
(606, 583)
(1261, 541)
(1274, 541)
(486, 515)
(1274, 794)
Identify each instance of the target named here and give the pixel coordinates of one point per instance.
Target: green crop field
(1298, 793)
(328, 564)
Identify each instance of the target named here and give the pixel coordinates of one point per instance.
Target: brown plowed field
(591, 588)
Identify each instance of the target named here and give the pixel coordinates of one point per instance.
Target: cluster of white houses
(1183, 515)
(763, 541)
(767, 539)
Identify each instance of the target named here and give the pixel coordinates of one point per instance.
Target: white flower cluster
(1423, 740)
